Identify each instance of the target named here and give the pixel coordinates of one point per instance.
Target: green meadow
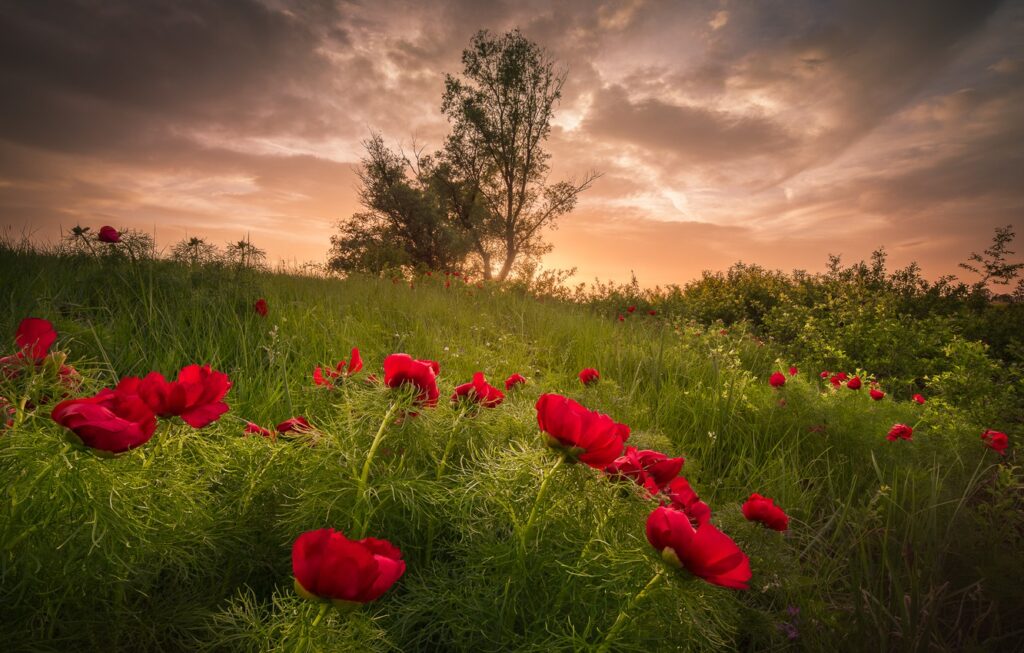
(184, 544)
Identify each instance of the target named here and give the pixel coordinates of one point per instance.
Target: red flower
(109, 235)
(110, 421)
(900, 431)
(590, 436)
(842, 376)
(196, 396)
(621, 319)
(876, 394)
(650, 469)
(514, 380)
(34, 338)
(683, 498)
(400, 369)
(330, 567)
(261, 307)
(919, 399)
(480, 391)
(723, 332)
(824, 374)
(996, 440)
(323, 376)
(704, 551)
(762, 509)
(793, 371)
(777, 379)
(631, 309)
(854, 383)
(652, 312)
(297, 424)
(250, 427)
(835, 380)
(589, 375)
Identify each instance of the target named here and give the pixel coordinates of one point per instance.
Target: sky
(771, 132)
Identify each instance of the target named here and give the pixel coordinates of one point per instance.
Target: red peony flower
(793, 370)
(762, 509)
(110, 421)
(400, 369)
(842, 376)
(652, 312)
(876, 394)
(919, 399)
(261, 307)
(297, 424)
(330, 567)
(777, 379)
(650, 469)
(900, 431)
(480, 391)
(196, 396)
(704, 551)
(825, 374)
(835, 380)
(514, 380)
(996, 440)
(683, 498)
(109, 235)
(589, 376)
(324, 375)
(590, 436)
(621, 318)
(854, 383)
(631, 309)
(34, 338)
(252, 428)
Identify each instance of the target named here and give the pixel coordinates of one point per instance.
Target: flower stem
(525, 533)
(365, 475)
(622, 619)
(324, 607)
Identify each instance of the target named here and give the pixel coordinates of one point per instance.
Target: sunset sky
(768, 132)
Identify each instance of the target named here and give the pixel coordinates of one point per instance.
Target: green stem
(525, 534)
(324, 607)
(622, 619)
(365, 475)
(448, 446)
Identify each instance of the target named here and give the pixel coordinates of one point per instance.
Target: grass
(184, 543)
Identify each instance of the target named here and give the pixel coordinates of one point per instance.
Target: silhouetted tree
(993, 266)
(244, 254)
(194, 251)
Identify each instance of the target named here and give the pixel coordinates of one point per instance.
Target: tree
(404, 223)
(993, 266)
(501, 112)
(194, 251)
(245, 255)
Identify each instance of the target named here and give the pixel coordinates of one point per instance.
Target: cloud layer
(771, 132)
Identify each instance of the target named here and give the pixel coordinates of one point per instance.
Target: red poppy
(261, 307)
(996, 440)
(514, 380)
(876, 394)
(652, 312)
(704, 551)
(683, 497)
(824, 374)
(109, 235)
(324, 375)
(777, 379)
(330, 567)
(196, 396)
(590, 436)
(650, 469)
(762, 509)
(793, 371)
(110, 421)
(479, 391)
(621, 318)
(252, 428)
(631, 309)
(919, 399)
(900, 431)
(400, 369)
(589, 376)
(297, 424)
(854, 383)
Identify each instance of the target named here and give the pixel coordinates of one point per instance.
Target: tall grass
(184, 544)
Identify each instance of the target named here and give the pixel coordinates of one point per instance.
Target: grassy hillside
(185, 542)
